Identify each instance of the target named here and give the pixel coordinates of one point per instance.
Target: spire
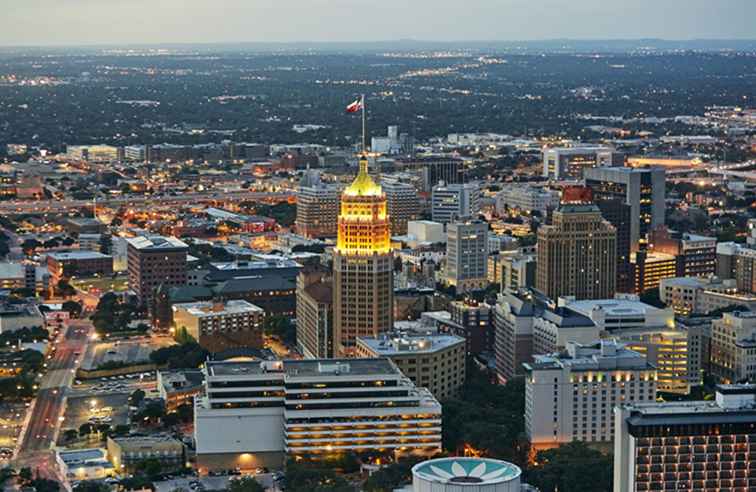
(363, 184)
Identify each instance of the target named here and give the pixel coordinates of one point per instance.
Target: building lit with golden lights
(362, 264)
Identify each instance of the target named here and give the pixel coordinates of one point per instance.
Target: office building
(570, 396)
(126, 453)
(688, 445)
(696, 295)
(155, 261)
(577, 254)
(650, 268)
(472, 321)
(433, 170)
(94, 153)
(83, 464)
(24, 276)
(218, 326)
(403, 205)
(179, 387)
(617, 212)
(64, 265)
(738, 262)
(363, 265)
(255, 413)
(570, 163)
(695, 255)
(315, 316)
(467, 255)
(431, 360)
(526, 198)
(733, 347)
(518, 270)
(425, 232)
(641, 188)
(317, 211)
(513, 335)
(450, 202)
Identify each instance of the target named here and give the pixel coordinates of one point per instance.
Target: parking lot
(11, 420)
(209, 483)
(131, 351)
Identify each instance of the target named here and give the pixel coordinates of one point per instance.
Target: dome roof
(363, 184)
(466, 471)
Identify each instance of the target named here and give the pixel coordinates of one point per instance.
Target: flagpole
(364, 125)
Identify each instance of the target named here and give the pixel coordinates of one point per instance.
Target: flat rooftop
(207, 309)
(78, 255)
(156, 243)
(407, 343)
(613, 307)
(305, 367)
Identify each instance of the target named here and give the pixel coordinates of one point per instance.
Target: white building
(254, 413)
(456, 474)
(571, 397)
(467, 255)
(697, 295)
(568, 163)
(425, 232)
(450, 202)
(526, 198)
(733, 347)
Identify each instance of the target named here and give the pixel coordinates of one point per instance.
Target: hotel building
(255, 413)
(155, 261)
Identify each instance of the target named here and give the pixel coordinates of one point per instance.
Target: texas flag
(355, 106)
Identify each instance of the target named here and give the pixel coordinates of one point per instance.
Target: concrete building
(696, 256)
(467, 255)
(17, 316)
(695, 295)
(155, 261)
(518, 270)
(472, 321)
(94, 153)
(430, 360)
(314, 316)
(433, 169)
(513, 335)
(458, 473)
(450, 202)
(219, 326)
(650, 268)
(570, 163)
(738, 262)
(64, 265)
(687, 445)
(641, 188)
(403, 205)
(83, 464)
(255, 413)
(126, 452)
(317, 211)
(570, 396)
(526, 198)
(178, 388)
(363, 265)
(24, 276)
(425, 232)
(577, 254)
(733, 347)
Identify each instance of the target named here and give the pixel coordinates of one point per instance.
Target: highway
(48, 206)
(47, 410)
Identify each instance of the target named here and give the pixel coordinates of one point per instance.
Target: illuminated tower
(363, 283)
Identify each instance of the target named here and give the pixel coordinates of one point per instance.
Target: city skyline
(141, 22)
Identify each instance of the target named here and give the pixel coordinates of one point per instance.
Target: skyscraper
(317, 208)
(363, 267)
(467, 255)
(403, 205)
(155, 261)
(577, 253)
(455, 201)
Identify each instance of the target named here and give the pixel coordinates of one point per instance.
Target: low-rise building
(433, 361)
(733, 347)
(126, 452)
(17, 316)
(526, 198)
(219, 326)
(84, 464)
(81, 263)
(178, 388)
(570, 396)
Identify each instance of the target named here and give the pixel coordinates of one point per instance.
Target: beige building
(219, 326)
(689, 295)
(467, 255)
(363, 265)
(314, 316)
(733, 347)
(577, 254)
(403, 205)
(433, 361)
(317, 211)
(126, 452)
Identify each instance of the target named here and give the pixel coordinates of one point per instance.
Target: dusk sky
(64, 22)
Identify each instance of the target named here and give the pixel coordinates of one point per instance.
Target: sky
(87, 22)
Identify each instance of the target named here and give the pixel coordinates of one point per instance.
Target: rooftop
(461, 472)
(12, 270)
(305, 368)
(206, 309)
(397, 343)
(77, 255)
(603, 355)
(156, 243)
(613, 307)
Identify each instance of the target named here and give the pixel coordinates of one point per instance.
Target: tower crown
(363, 184)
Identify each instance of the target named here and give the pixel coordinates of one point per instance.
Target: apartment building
(219, 326)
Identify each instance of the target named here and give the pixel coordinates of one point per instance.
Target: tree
(64, 288)
(44, 485)
(85, 429)
(391, 477)
(245, 484)
(281, 327)
(25, 474)
(136, 398)
(73, 308)
(151, 467)
(565, 469)
(90, 486)
(70, 434)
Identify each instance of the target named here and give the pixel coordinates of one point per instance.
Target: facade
(314, 316)
(513, 335)
(219, 326)
(617, 212)
(695, 295)
(18, 316)
(84, 464)
(425, 232)
(650, 268)
(458, 473)
(571, 396)
(317, 211)
(363, 265)
(733, 347)
(434, 169)
(696, 255)
(65, 265)
(94, 153)
(467, 255)
(577, 254)
(688, 445)
(526, 198)
(155, 261)
(433, 361)
(178, 388)
(641, 188)
(518, 270)
(472, 321)
(570, 163)
(738, 262)
(403, 205)
(126, 452)
(450, 202)
(254, 413)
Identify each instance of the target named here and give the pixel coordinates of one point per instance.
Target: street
(47, 408)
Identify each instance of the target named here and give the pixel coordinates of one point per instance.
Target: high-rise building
(738, 262)
(617, 212)
(577, 254)
(641, 188)
(695, 255)
(434, 169)
(314, 316)
(513, 335)
(526, 198)
(570, 396)
(317, 210)
(467, 255)
(472, 321)
(450, 202)
(696, 295)
(650, 268)
(688, 445)
(254, 414)
(733, 347)
(403, 205)
(570, 163)
(363, 266)
(518, 270)
(155, 261)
